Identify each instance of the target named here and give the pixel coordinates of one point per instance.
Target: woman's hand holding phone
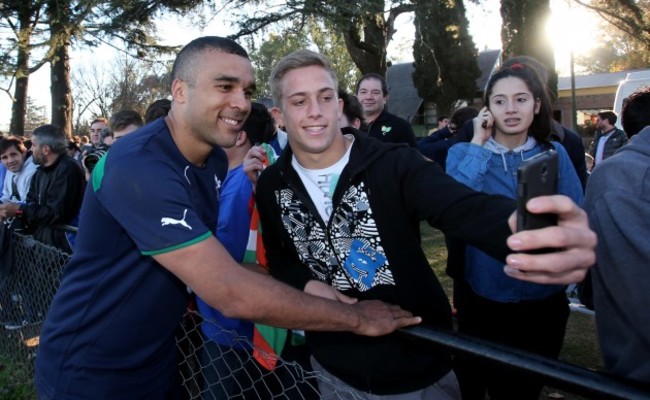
(483, 123)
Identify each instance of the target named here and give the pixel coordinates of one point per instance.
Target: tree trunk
(524, 33)
(19, 106)
(59, 14)
(61, 90)
(369, 53)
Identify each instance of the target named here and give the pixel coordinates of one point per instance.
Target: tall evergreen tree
(444, 53)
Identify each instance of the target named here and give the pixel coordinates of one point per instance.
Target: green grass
(15, 382)
(580, 343)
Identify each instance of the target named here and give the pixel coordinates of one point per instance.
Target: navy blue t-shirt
(110, 330)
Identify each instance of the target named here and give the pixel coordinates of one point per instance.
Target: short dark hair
(609, 116)
(442, 118)
(157, 109)
(124, 118)
(372, 75)
(351, 106)
(636, 111)
(11, 141)
(259, 125)
(52, 136)
(99, 119)
(185, 63)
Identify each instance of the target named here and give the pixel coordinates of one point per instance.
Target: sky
(485, 26)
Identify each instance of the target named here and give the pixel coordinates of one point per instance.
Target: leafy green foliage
(625, 43)
(631, 17)
(315, 34)
(271, 51)
(367, 26)
(52, 26)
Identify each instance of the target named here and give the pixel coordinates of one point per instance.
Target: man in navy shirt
(147, 234)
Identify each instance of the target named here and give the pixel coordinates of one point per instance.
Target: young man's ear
(277, 116)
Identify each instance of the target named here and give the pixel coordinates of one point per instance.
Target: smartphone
(536, 176)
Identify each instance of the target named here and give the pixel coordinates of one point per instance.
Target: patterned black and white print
(353, 257)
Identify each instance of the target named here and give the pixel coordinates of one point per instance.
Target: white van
(632, 82)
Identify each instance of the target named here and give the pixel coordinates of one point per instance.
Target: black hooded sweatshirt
(370, 249)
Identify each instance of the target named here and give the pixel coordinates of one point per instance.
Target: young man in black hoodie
(345, 210)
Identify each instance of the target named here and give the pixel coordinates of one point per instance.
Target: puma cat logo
(171, 221)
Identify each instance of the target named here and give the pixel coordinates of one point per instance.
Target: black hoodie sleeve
(283, 261)
(457, 210)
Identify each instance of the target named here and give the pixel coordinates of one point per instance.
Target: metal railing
(208, 370)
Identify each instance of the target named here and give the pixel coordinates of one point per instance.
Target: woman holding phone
(513, 126)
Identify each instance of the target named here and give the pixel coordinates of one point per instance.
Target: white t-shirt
(600, 148)
(321, 183)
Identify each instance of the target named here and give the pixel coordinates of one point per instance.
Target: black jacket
(54, 197)
(613, 143)
(382, 195)
(391, 129)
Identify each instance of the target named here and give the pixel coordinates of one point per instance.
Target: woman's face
(513, 106)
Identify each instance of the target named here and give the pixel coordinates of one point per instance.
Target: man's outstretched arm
(208, 269)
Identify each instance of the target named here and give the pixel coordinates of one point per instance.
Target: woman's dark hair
(540, 128)
(351, 106)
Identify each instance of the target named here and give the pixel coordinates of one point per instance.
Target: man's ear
(277, 116)
(179, 89)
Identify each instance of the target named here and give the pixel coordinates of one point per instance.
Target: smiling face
(13, 159)
(372, 97)
(310, 110)
(217, 102)
(513, 106)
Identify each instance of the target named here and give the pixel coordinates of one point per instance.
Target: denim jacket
(492, 168)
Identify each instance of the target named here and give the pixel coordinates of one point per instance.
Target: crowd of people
(302, 222)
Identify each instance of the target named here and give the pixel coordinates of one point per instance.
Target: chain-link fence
(26, 291)
(207, 370)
